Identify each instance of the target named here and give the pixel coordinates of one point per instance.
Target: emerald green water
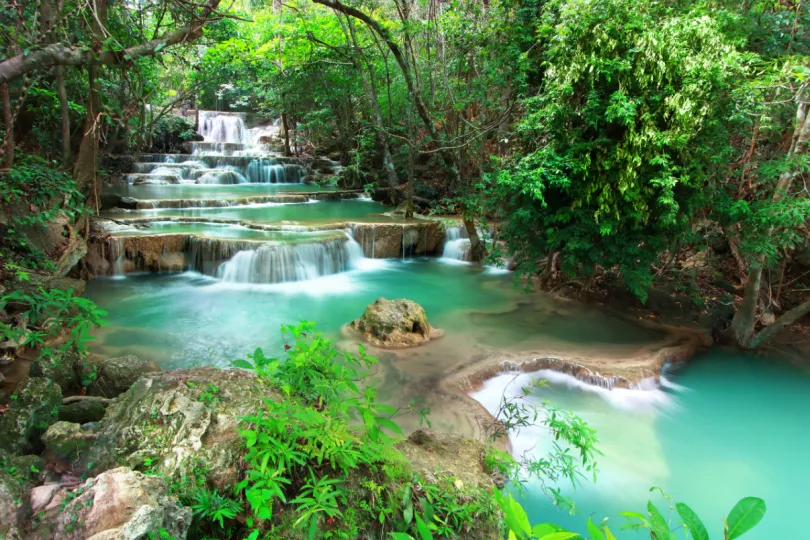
(209, 191)
(314, 212)
(732, 426)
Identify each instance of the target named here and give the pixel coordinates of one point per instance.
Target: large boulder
(180, 423)
(33, 408)
(395, 324)
(120, 504)
(114, 376)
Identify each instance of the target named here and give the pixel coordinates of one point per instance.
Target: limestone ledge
(114, 202)
(170, 252)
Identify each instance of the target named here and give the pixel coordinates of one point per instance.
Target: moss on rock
(395, 324)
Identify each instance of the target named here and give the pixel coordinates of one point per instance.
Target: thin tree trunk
(368, 84)
(8, 140)
(64, 116)
(286, 131)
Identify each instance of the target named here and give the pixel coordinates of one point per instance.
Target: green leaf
(313, 527)
(542, 529)
(388, 424)
(594, 531)
(160, 47)
(744, 516)
(658, 525)
(692, 522)
(560, 536)
(400, 536)
(244, 364)
(423, 529)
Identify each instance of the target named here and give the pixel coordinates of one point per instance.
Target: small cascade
(220, 176)
(279, 263)
(373, 239)
(116, 257)
(456, 244)
(269, 171)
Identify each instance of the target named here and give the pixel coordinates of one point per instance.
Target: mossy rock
(395, 324)
(82, 412)
(62, 367)
(114, 376)
(18, 474)
(181, 424)
(66, 443)
(33, 408)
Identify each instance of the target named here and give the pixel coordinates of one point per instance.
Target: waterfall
(278, 263)
(269, 171)
(223, 128)
(456, 244)
(116, 246)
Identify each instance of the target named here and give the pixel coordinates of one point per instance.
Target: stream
(725, 427)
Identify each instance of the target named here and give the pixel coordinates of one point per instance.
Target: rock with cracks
(118, 504)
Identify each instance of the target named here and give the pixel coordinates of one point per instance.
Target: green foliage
(211, 506)
(46, 313)
(621, 137)
(32, 194)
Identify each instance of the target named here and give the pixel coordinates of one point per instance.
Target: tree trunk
(285, 129)
(64, 115)
(87, 161)
(8, 140)
(744, 322)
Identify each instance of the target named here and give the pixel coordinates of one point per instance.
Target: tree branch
(59, 54)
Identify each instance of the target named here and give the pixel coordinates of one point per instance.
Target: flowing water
(729, 426)
(726, 427)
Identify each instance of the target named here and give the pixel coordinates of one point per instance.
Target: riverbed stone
(33, 408)
(119, 504)
(435, 453)
(395, 324)
(114, 376)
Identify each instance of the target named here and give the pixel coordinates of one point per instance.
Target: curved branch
(59, 54)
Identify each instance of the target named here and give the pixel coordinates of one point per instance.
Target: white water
(223, 128)
(456, 244)
(280, 263)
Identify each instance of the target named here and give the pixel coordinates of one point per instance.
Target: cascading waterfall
(279, 263)
(456, 244)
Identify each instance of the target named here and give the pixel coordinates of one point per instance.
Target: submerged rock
(114, 376)
(395, 324)
(35, 407)
(118, 504)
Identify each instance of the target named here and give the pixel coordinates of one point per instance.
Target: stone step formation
(235, 209)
